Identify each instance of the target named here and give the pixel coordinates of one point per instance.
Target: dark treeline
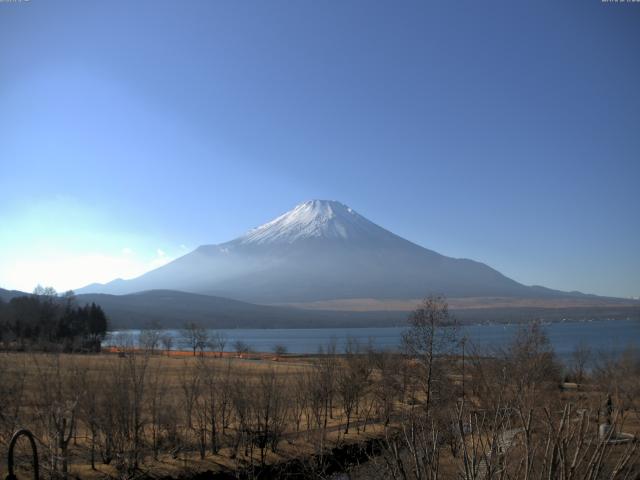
(47, 321)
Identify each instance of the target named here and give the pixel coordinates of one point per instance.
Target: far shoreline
(404, 325)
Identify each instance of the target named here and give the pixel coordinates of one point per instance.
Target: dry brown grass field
(40, 382)
(137, 414)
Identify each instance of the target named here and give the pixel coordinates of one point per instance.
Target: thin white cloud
(65, 244)
(65, 272)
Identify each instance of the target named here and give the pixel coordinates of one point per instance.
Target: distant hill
(321, 251)
(6, 295)
(172, 309)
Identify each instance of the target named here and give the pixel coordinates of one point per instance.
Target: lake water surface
(610, 336)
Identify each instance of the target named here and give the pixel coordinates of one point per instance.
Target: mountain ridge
(323, 250)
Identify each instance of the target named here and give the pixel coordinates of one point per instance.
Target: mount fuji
(324, 251)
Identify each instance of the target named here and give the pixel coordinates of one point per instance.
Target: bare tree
(12, 393)
(190, 386)
(580, 359)
(149, 337)
(124, 411)
(352, 379)
(431, 333)
(279, 350)
(136, 369)
(412, 452)
(167, 342)
(91, 388)
(213, 400)
(219, 342)
(387, 388)
(203, 408)
(222, 383)
(298, 399)
(241, 347)
(124, 342)
(617, 378)
(531, 367)
(56, 407)
(240, 399)
(157, 402)
(321, 387)
(268, 412)
(196, 337)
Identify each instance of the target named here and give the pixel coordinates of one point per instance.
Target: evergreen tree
(44, 319)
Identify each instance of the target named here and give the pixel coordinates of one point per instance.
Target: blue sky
(506, 132)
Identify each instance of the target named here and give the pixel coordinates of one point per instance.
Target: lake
(611, 336)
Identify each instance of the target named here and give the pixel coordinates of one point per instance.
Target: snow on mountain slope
(314, 219)
(322, 250)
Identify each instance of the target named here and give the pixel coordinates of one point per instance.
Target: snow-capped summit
(314, 219)
(322, 250)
